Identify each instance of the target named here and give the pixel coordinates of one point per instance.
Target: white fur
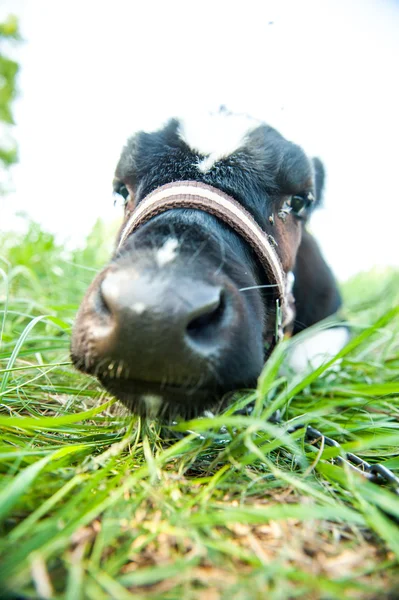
(152, 404)
(207, 163)
(167, 252)
(314, 351)
(209, 414)
(138, 307)
(216, 135)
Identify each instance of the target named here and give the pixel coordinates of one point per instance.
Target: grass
(96, 504)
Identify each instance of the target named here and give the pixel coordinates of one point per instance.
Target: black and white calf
(189, 308)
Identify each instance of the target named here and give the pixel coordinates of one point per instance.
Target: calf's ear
(319, 177)
(315, 290)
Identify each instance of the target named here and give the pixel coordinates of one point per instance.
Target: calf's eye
(300, 203)
(121, 193)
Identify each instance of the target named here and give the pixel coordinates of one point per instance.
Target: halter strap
(198, 195)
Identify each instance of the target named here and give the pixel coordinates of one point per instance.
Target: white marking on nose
(167, 252)
(138, 307)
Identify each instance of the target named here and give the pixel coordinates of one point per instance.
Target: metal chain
(376, 473)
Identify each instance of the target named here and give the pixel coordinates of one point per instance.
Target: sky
(323, 72)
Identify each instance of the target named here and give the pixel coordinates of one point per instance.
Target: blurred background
(91, 73)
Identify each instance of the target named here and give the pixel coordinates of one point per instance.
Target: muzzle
(200, 196)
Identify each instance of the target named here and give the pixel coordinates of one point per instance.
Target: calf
(212, 252)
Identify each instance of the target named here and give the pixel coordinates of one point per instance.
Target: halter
(198, 195)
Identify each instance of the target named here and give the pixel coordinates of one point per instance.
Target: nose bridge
(128, 290)
(153, 296)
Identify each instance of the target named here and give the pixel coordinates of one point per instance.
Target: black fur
(315, 290)
(262, 174)
(267, 167)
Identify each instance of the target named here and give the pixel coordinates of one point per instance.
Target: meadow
(98, 504)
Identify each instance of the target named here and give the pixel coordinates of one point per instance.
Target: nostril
(207, 320)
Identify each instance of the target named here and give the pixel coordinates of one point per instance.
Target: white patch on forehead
(216, 135)
(152, 403)
(207, 163)
(166, 253)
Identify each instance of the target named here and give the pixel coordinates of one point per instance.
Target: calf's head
(185, 311)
